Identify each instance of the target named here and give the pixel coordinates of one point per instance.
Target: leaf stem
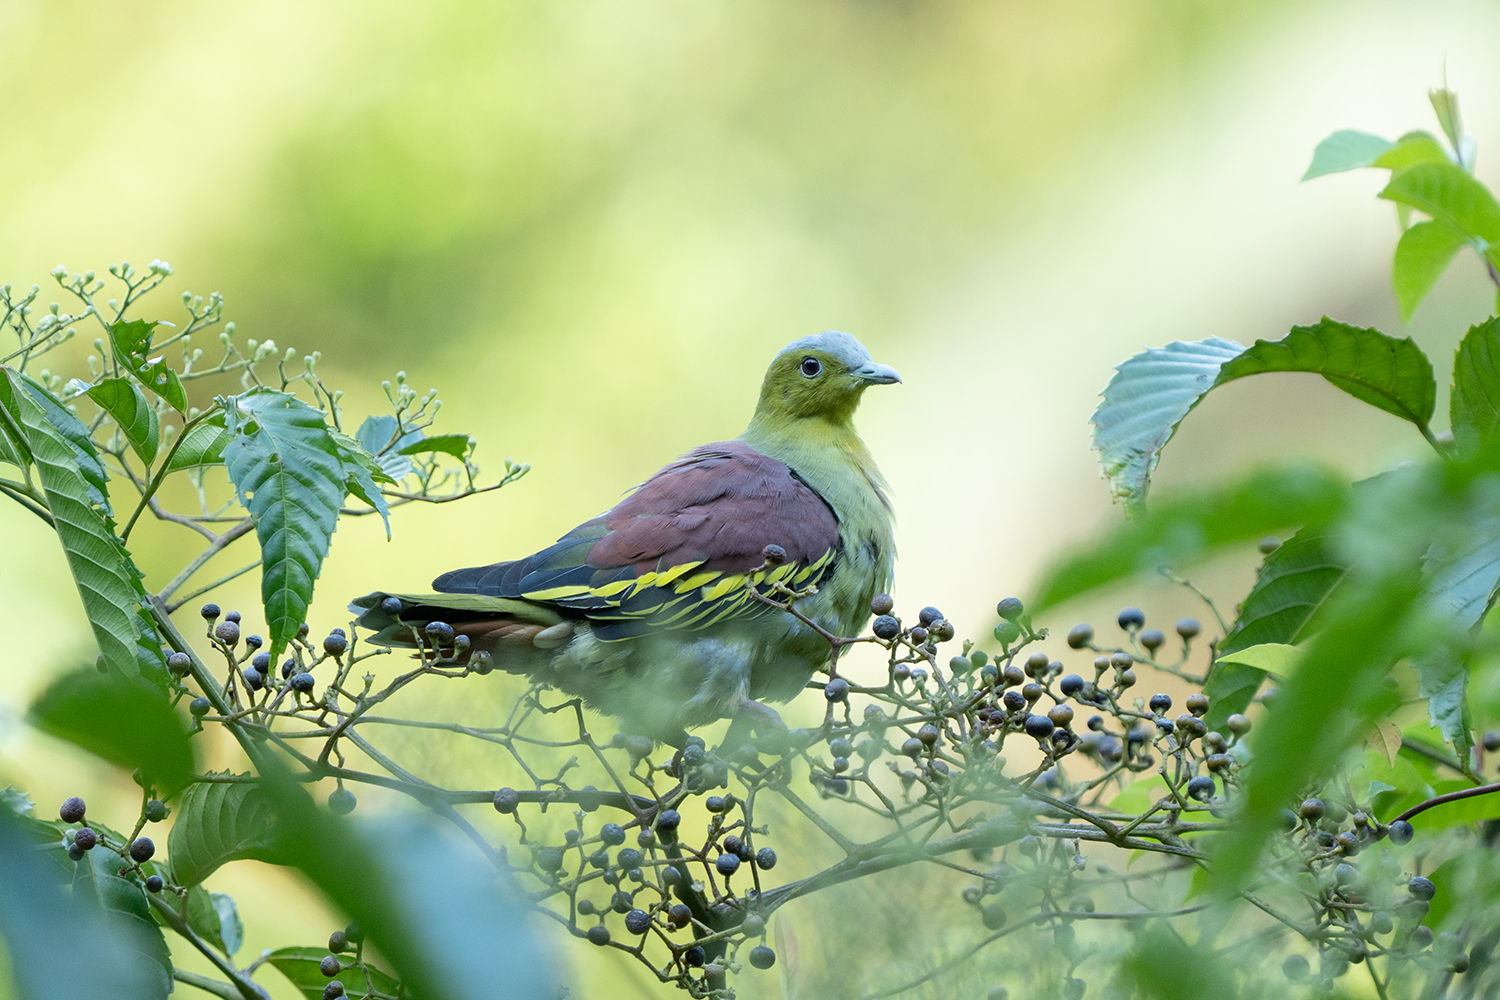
(161, 473)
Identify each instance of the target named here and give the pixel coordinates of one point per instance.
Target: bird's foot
(752, 716)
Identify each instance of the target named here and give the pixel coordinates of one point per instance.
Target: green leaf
(1137, 796)
(122, 904)
(1346, 150)
(1292, 584)
(125, 721)
(379, 436)
(1424, 253)
(1189, 525)
(427, 900)
(1445, 103)
(218, 822)
(1143, 404)
(1270, 657)
(1412, 148)
(1393, 375)
(132, 343)
(1231, 687)
(52, 937)
(360, 474)
(301, 966)
(204, 445)
(457, 445)
(1474, 407)
(213, 917)
(100, 566)
(285, 466)
(124, 400)
(66, 423)
(1449, 193)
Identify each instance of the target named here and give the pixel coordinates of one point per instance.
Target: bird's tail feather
(491, 623)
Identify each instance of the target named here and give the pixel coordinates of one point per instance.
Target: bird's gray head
(820, 376)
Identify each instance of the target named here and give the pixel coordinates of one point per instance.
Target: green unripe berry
(1010, 608)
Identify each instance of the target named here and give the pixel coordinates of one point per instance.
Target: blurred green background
(592, 224)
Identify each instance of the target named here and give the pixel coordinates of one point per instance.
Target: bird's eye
(811, 367)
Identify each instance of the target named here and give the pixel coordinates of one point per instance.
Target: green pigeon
(646, 612)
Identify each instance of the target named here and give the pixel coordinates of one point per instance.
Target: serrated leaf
(360, 474)
(66, 423)
(379, 437)
(1450, 193)
(125, 911)
(132, 344)
(1270, 657)
(1412, 148)
(125, 721)
(302, 967)
(100, 566)
(1393, 375)
(218, 822)
(1474, 407)
(1346, 150)
(456, 445)
(1424, 253)
(285, 465)
(1143, 404)
(1189, 525)
(52, 938)
(204, 445)
(123, 399)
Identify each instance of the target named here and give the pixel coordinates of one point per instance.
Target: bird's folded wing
(678, 552)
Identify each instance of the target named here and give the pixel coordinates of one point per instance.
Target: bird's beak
(873, 374)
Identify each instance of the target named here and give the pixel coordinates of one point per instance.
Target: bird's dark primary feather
(675, 553)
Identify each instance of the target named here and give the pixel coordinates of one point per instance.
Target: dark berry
(72, 809)
(1125, 678)
(338, 942)
(439, 633)
(839, 746)
(1312, 809)
(942, 631)
(667, 822)
(1013, 700)
(679, 915)
(929, 615)
(882, 604)
(1070, 685)
(85, 839)
(1061, 715)
(1201, 788)
(836, 690)
(391, 605)
(1131, 618)
(612, 834)
(622, 902)
(549, 859)
(928, 734)
(1096, 723)
(506, 800)
(1421, 888)
(254, 679)
(598, 934)
(1238, 724)
(341, 801)
(156, 811)
(1080, 636)
(886, 627)
(141, 849)
(1013, 675)
(1219, 762)
(1161, 704)
(727, 864)
(1295, 968)
(919, 635)
(762, 957)
(637, 921)
(1010, 608)
(1269, 544)
(1492, 740)
(209, 611)
(912, 747)
(629, 857)
(1152, 639)
(303, 682)
(233, 616)
(75, 853)
(330, 966)
(695, 956)
(179, 664)
(333, 991)
(765, 859)
(1188, 627)
(1039, 726)
(1197, 703)
(261, 661)
(335, 644)
(255, 642)
(199, 706)
(1401, 832)
(154, 883)
(288, 668)
(228, 632)
(1347, 843)
(774, 555)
